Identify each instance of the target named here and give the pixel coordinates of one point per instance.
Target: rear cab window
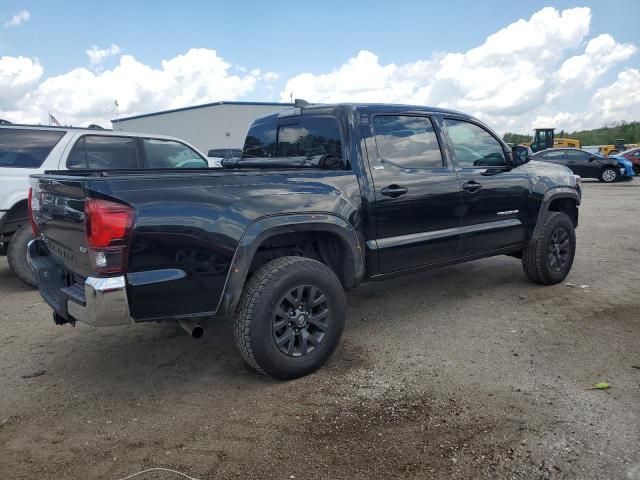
(261, 140)
(308, 137)
(26, 148)
(296, 136)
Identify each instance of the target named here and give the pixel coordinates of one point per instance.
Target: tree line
(629, 131)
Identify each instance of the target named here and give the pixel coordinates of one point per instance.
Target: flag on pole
(53, 120)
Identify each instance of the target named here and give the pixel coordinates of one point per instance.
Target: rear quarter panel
(186, 231)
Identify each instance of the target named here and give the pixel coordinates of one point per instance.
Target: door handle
(394, 191)
(472, 186)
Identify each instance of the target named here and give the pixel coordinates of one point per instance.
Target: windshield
(21, 148)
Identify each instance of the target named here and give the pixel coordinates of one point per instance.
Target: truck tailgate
(58, 210)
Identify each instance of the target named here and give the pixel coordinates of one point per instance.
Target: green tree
(606, 135)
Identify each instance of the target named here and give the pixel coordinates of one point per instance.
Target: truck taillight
(107, 226)
(33, 202)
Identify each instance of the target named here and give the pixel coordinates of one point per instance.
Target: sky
(515, 65)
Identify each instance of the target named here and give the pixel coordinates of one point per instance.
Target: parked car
(633, 155)
(323, 198)
(25, 150)
(583, 163)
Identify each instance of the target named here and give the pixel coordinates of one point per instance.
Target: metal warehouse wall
(204, 127)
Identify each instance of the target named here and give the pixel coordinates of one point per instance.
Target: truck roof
(362, 107)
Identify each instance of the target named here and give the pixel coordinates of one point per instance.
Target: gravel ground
(463, 372)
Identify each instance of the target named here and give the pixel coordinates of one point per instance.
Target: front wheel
(17, 255)
(609, 175)
(549, 256)
(290, 317)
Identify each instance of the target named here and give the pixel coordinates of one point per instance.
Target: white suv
(25, 150)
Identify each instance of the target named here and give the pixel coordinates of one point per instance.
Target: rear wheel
(609, 175)
(290, 317)
(17, 255)
(548, 257)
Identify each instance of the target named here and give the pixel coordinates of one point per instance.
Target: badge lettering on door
(508, 212)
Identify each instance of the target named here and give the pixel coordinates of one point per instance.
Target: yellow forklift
(544, 138)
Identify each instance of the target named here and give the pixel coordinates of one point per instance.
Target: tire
(537, 256)
(609, 175)
(17, 255)
(264, 317)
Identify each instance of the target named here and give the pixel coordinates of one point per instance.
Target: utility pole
(117, 118)
(291, 98)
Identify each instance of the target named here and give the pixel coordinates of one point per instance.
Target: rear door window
(407, 141)
(171, 154)
(578, 156)
(309, 137)
(26, 148)
(104, 153)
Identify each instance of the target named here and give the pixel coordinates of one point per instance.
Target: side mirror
(520, 155)
(591, 159)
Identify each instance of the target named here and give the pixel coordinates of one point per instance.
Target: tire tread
(246, 310)
(17, 256)
(534, 255)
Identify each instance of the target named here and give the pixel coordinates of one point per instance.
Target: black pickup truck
(323, 198)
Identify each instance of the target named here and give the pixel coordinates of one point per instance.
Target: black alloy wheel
(290, 317)
(559, 249)
(548, 256)
(301, 320)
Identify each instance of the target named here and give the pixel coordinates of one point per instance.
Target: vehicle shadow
(10, 282)
(152, 359)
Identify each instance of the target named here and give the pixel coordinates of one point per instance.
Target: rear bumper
(100, 302)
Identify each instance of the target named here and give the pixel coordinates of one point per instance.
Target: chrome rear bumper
(100, 302)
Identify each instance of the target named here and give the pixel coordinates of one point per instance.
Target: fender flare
(550, 195)
(17, 214)
(263, 228)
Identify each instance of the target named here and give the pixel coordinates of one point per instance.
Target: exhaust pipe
(194, 330)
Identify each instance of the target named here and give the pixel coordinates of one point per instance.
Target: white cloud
(516, 73)
(18, 19)
(610, 104)
(620, 100)
(271, 76)
(18, 77)
(544, 69)
(600, 55)
(97, 55)
(82, 96)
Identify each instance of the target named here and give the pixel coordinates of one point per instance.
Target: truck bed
(187, 224)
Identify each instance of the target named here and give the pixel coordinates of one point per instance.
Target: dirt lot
(463, 372)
